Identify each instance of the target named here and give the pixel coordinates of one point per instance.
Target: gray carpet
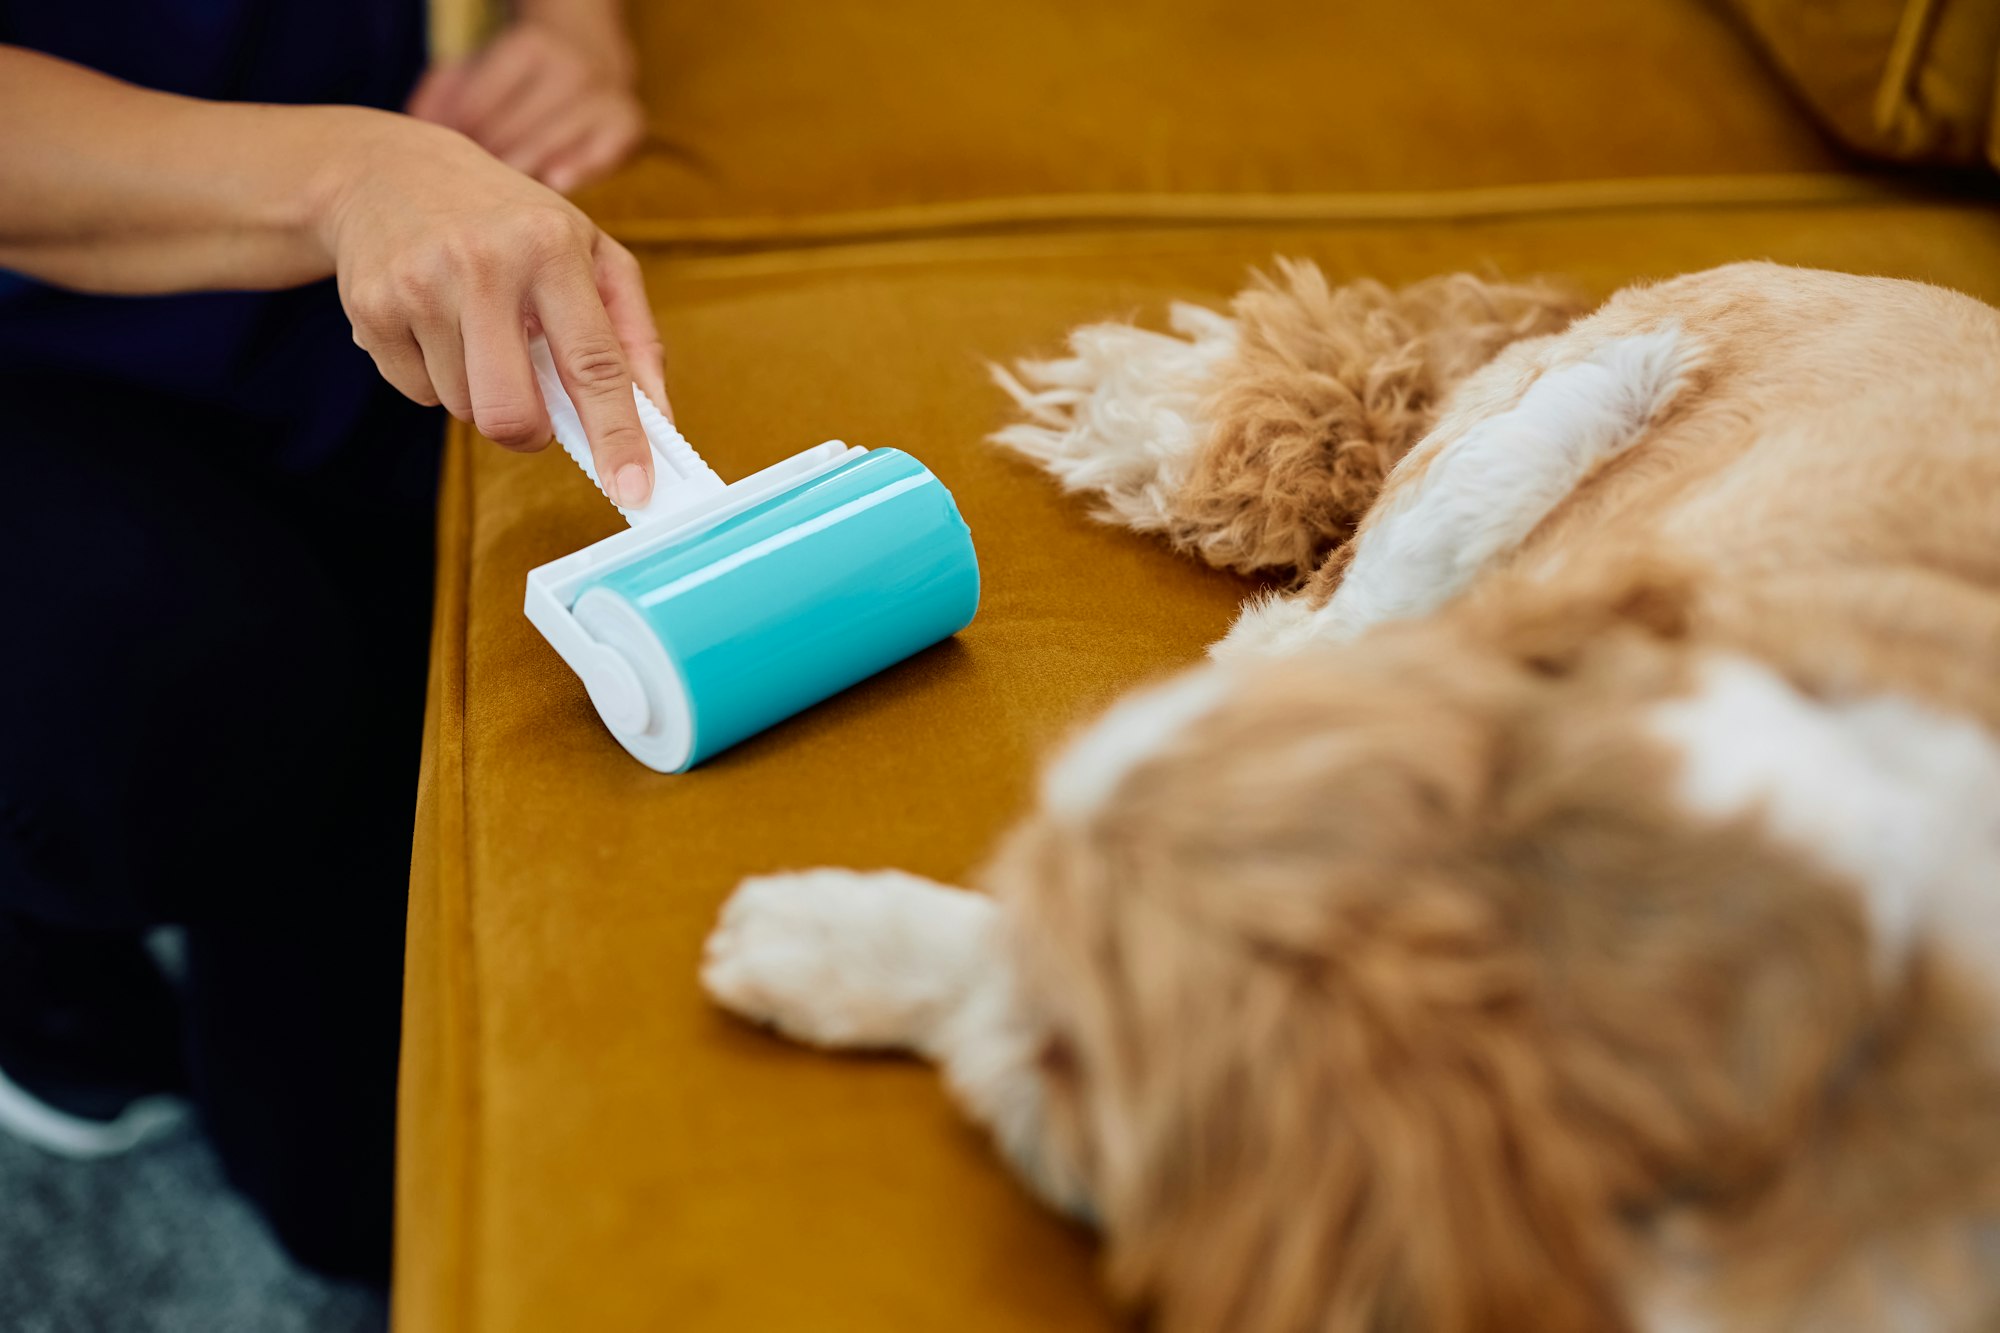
(152, 1242)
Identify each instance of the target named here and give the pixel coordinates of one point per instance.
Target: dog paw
(1271, 626)
(1121, 416)
(841, 958)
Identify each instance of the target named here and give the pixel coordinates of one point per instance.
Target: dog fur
(1574, 904)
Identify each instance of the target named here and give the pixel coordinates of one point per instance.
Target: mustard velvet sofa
(843, 209)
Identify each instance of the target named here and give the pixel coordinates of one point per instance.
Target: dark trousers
(211, 692)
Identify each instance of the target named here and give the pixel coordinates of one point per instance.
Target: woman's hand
(544, 100)
(449, 261)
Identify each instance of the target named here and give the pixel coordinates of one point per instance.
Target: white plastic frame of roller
(631, 680)
(681, 480)
(633, 685)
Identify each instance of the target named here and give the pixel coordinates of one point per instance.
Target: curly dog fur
(1573, 903)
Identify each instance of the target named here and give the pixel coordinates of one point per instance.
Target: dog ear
(1379, 1142)
(1328, 387)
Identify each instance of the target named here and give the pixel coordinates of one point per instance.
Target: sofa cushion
(1906, 79)
(770, 114)
(586, 1142)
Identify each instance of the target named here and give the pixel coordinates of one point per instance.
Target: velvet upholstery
(846, 209)
(1912, 80)
(769, 114)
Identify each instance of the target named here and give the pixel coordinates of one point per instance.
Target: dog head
(1388, 986)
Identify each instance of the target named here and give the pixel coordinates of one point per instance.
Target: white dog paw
(842, 958)
(1120, 417)
(1271, 626)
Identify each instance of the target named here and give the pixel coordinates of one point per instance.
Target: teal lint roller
(727, 608)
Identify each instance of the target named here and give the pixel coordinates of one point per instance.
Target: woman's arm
(110, 188)
(446, 258)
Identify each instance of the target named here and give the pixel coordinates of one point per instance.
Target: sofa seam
(1108, 211)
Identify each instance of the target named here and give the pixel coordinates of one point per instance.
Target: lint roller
(726, 608)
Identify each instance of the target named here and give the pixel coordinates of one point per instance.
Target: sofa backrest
(1908, 80)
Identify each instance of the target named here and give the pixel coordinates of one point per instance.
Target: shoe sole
(33, 1121)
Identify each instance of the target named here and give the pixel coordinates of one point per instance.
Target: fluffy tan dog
(1574, 906)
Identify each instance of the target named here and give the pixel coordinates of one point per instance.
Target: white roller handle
(681, 479)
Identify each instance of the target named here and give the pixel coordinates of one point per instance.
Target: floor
(152, 1242)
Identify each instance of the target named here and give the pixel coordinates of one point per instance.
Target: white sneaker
(34, 1121)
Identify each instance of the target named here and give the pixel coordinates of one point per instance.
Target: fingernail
(632, 488)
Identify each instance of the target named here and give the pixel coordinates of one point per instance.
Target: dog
(1573, 904)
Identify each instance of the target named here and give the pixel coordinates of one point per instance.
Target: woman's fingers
(516, 131)
(506, 402)
(538, 103)
(614, 129)
(443, 351)
(402, 364)
(591, 360)
(437, 91)
(499, 74)
(621, 285)
(562, 127)
(383, 331)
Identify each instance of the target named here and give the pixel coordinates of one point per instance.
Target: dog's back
(1826, 474)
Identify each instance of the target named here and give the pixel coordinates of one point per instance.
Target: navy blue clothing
(211, 699)
(215, 543)
(286, 358)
